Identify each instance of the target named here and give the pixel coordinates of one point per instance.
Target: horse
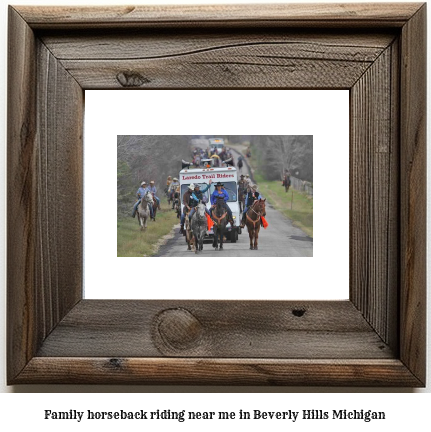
(144, 210)
(190, 239)
(219, 216)
(155, 207)
(240, 165)
(199, 226)
(241, 199)
(286, 182)
(253, 215)
(177, 205)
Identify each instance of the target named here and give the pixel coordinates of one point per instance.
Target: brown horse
(220, 217)
(241, 196)
(253, 215)
(155, 207)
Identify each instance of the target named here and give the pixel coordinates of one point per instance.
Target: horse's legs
(215, 242)
(189, 247)
(251, 234)
(256, 236)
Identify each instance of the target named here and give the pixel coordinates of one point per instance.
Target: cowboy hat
(144, 182)
(219, 184)
(191, 186)
(152, 182)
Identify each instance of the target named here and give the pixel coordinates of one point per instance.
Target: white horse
(199, 226)
(144, 210)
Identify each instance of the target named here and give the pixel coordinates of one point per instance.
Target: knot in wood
(298, 312)
(131, 79)
(178, 329)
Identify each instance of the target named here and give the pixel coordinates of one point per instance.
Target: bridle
(259, 215)
(200, 217)
(218, 218)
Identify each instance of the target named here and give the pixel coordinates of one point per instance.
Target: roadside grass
(295, 205)
(131, 242)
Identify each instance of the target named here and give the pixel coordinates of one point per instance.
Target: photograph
(215, 195)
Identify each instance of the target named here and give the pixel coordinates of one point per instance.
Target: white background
(26, 410)
(323, 114)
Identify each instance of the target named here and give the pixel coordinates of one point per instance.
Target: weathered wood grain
(312, 14)
(21, 196)
(212, 60)
(249, 66)
(413, 194)
(44, 193)
(59, 184)
(141, 44)
(374, 191)
(235, 329)
(217, 371)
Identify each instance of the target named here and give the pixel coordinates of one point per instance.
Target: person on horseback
(186, 203)
(286, 180)
(250, 198)
(172, 188)
(240, 162)
(190, 200)
(140, 194)
(221, 192)
(196, 196)
(153, 190)
(242, 185)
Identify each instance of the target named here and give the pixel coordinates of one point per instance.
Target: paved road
(280, 239)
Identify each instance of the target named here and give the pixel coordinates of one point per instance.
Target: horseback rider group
(195, 194)
(141, 192)
(173, 187)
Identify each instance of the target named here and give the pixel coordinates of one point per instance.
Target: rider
(196, 196)
(250, 198)
(168, 183)
(140, 194)
(242, 185)
(286, 180)
(153, 190)
(190, 200)
(186, 202)
(172, 188)
(221, 192)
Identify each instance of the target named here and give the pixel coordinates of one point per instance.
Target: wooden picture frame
(376, 338)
